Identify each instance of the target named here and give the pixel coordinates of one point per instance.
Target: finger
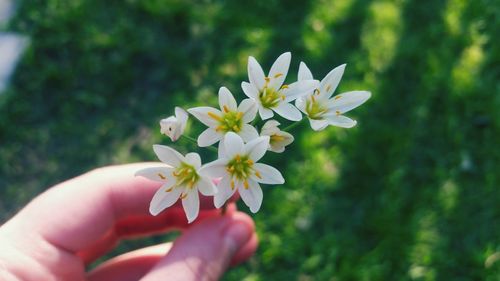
(77, 213)
(205, 250)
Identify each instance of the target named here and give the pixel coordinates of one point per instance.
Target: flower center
(270, 98)
(313, 108)
(186, 175)
(231, 121)
(241, 167)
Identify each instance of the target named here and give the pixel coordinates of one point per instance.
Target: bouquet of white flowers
(240, 146)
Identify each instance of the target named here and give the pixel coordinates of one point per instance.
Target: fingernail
(236, 236)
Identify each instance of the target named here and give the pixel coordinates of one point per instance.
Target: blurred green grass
(411, 193)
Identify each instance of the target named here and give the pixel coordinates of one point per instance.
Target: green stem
(196, 143)
(293, 125)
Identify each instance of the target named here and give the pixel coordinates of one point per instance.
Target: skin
(72, 224)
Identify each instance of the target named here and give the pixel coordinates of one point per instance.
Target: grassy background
(411, 193)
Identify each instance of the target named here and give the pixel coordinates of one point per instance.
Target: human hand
(72, 224)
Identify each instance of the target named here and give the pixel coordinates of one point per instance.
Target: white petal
(206, 186)
(194, 159)
(256, 148)
(318, 125)
(268, 174)
(347, 101)
(265, 113)
(248, 133)
(202, 114)
(249, 109)
(288, 111)
(209, 137)
(224, 192)
(226, 99)
(331, 81)
(270, 128)
(221, 150)
(304, 72)
(249, 90)
(300, 103)
(299, 89)
(191, 205)
(341, 121)
(252, 196)
(168, 155)
(214, 169)
(279, 70)
(161, 174)
(182, 116)
(164, 199)
(255, 73)
(233, 145)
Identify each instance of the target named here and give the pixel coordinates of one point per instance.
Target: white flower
(277, 139)
(320, 108)
(270, 93)
(174, 126)
(231, 118)
(181, 179)
(240, 171)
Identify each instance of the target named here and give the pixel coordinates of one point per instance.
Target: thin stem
(196, 142)
(293, 125)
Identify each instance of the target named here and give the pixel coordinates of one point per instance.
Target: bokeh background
(411, 193)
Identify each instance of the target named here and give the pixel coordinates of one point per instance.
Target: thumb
(204, 251)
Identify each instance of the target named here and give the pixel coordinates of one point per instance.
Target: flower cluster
(240, 145)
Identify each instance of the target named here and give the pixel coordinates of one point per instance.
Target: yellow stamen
(245, 183)
(284, 86)
(338, 97)
(278, 75)
(257, 174)
(162, 176)
(230, 169)
(232, 184)
(239, 115)
(283, 97)
(183, 195)
(238, 158)
(316, 92)
(214, 116)
(267, 79)
(236, 128)
(277, 138)
(220, 128)
(337, 112)
(312, 98)
(175, 174)
(250, 162)
(170, 189)
(226, 110)
(328, 88)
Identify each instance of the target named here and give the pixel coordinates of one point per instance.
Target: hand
(72, 224)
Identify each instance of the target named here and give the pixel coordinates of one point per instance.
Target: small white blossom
(181, 179)
(277, 139)
(270, 93)
(320, 108)
(240, 171)
(230, 118)
(174, 126)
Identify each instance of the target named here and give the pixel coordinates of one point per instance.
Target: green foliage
(411, 193)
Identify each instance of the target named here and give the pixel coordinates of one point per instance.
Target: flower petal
(256, 148)
(347, 101)
(224, 192)
(252, 196)
(255, 73)
(191, 205)
(182, 116)
(233, 144)
(168, 155)
(250, 90)
(331, 81)
(214, 169)
(248, 132)
(299, 89)
(270, 128)
(164, 198)
(161, 174)
(227, 99)
(206, 115)
(194, 159)
(279, 70)
(288, 111)
(340, 121)
(209, 137)
(304, 72)
(300, 103)
(268, 174)
(249, 109)
(221, 150)
(265, 113)
(318, 125)
(206, 186)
